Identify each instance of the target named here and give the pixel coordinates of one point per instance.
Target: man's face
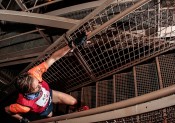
(36, 86)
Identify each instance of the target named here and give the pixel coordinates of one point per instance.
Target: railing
(130, 107)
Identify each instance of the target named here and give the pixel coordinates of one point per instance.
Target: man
(35, 94)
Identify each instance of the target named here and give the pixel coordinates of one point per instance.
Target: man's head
(27, 84)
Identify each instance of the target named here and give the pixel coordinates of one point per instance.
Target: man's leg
(63, 98)
(50, 114)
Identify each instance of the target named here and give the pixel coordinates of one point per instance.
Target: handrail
(118, 105)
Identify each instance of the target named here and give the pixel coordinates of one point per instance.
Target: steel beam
(16, 62)
(44, 4)
(20, 4)
(21, 34)
(44, 36)
(5, 60)
(37, 19)
(23, 7)
(84, 6)
(78, 7)
(2, 6)
(21, 56)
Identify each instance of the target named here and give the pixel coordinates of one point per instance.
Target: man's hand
(24, 120)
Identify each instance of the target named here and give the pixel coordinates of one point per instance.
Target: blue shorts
(49, 108)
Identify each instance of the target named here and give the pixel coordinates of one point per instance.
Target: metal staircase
(131, 96)
(125, 35)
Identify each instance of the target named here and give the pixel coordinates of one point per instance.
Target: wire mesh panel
(69, 70)
(98, 49)
(78, 15)
(105, 93)
(146, 78)
(170, 114)
(89, 96)
(152, 117)
(124, 84)
(138, 35)
(132, 119)
(76, 94)
(103, 16)
(167, 68)
(95, 53)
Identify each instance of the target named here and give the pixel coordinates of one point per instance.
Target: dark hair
(24, 83)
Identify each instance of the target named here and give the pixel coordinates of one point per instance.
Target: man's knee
(73, 101)
(50, 114)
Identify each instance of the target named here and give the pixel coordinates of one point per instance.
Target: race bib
(44, 98)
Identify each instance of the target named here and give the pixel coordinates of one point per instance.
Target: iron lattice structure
(123, 34)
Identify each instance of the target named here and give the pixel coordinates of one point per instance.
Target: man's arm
(57, 55)
(17, 116)
(71, 45)
(15, 109)
(38, 70)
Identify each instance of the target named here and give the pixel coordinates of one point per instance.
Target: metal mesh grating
(170, 114)
(167, 68)
(147, 79)
(89, 96)
(102, 17)
(78, 15)
(68, 70)
(133, 37)
(132, 119)
(94, 56)
(124, 84)
(152, 117)
(166, 115)
(105, 93)
(76, 94)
